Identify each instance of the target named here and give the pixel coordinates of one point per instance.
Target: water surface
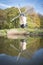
(14, 47)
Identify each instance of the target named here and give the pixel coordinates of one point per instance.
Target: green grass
(4, 31)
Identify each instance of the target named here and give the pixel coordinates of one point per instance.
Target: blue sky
(37, 4)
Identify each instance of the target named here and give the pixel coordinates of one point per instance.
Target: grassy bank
(3, 32)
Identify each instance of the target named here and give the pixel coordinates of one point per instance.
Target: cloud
(4, 5)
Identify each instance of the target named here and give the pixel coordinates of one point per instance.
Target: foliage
(33, 20)
(41, 20)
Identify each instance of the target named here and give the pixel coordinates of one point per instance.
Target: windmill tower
(23, 20)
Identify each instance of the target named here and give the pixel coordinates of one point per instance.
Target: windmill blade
(19, 55)
(29, 10)
(19, 8)
(17, 50)
(14, 47)
(15, 18)
(27, 53)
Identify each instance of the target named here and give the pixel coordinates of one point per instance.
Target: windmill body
(23, 45)
(23, 20)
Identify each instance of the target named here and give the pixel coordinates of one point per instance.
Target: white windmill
(22, 49)
(22, 16)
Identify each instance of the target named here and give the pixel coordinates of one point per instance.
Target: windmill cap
(22, 14)
(22, 40)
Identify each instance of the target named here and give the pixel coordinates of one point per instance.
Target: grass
(3, 32)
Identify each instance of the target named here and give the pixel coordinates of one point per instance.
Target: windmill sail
(19, 56)
(15, 18)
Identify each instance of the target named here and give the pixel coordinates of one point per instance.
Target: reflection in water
(21, 47)
(37, 59)
(41, 42)
(23, 44)
(12, 60)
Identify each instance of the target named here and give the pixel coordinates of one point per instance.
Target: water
(24, 47)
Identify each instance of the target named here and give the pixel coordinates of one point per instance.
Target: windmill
(22, 16)
(22, 50)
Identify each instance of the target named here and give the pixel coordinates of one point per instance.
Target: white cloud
(4, 5)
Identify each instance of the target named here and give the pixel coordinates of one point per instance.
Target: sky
(37, 4)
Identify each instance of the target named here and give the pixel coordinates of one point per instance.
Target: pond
(21, 46)
(12, 46)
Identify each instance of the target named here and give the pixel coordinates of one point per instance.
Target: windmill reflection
(23, 44)
(22, 48)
